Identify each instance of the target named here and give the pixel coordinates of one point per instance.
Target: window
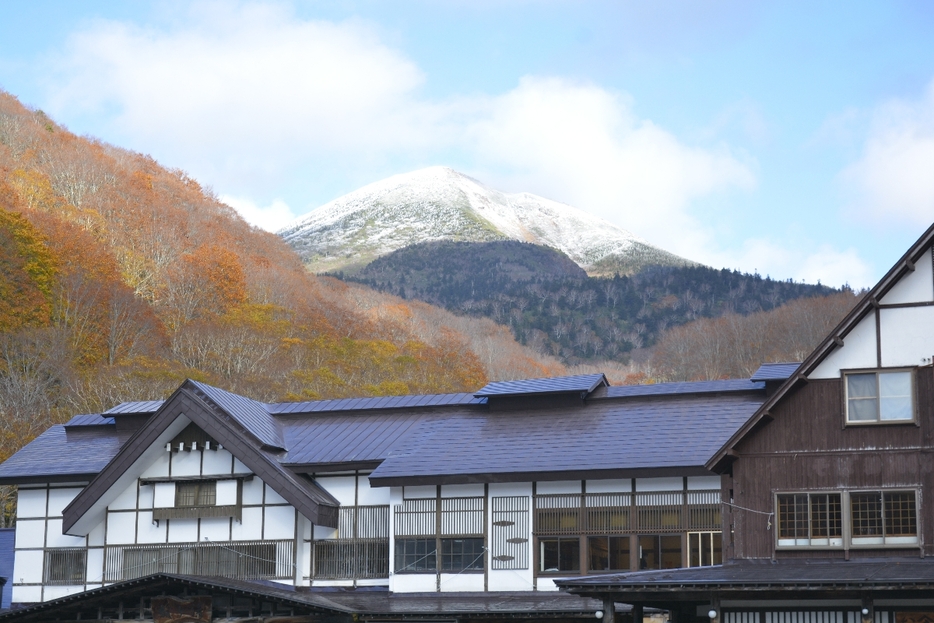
(413, 555)
(559, 555)
(660, 552)
(65, 566)
(705, 549)
(810, 519)
(884, 396)
(196, 493)
(876, 518)
(608, 553)
(461, 555)
(884, 518)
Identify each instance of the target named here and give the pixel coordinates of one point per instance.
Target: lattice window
(65, 566)
(509, 538)
(196, 493)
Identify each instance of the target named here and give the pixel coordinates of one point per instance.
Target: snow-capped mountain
(439, 203)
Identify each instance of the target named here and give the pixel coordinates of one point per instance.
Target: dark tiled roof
(135, 408)
(747, 574)
(59, 452)
(775, 371)
(448, 605)
(250, 414)
(605, 435)
(695, 387)
(365, 404)
(89, 419)
(584, 383)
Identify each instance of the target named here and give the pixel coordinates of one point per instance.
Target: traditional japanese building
(828, 489)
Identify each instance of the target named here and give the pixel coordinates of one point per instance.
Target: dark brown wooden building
(828, 489)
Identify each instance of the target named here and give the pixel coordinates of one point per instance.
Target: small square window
(883, 396)
(197, 493)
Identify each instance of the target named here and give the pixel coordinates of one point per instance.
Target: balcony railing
(244, 560)
(348, 559)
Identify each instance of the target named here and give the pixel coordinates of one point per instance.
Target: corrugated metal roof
(360, 404)
(250, 414)
(60, 452)
(694, 387)
(604, 435)
(135, 408)
(583, 383)
(89, 419)
(775, 371)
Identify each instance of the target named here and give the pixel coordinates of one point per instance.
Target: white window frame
(848, 540)
(879, 418)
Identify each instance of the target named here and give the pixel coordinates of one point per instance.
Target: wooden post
(637, 613)
(609, 610)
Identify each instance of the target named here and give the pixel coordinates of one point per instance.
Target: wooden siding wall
(807, 448)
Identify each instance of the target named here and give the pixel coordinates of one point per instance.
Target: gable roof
(775, 371)
(251, 415)
(833, 341)
(190, 403)
(583, 384)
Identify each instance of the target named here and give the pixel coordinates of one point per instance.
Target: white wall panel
(623, 485)
(462, 491)
(341, 487)
(30, 533)
(121, 528)
(126, 499)
(559, 486)
(520, 580)
(186, 463)
(426, 491)
(451, 582)
(226, 492)
(703, 482)
(183, 530)
(164, 495)
(413, 583)
(370, 496)
(27, 567)
(60, 498)
(56, 592)
(858, 351)
(30, 503)
(251, 528)
(217, 462)
(272, 497)
(253, 491)
(95, 568)
(546, 584)
(907, 335)
(158, 468)
(27, 594)
(146, 495)
(915, 286)
(96, 535)
(510, 488)
(240, 468)
(323, 532)
(659, 484)
(55, 538)
(215, 528)
(280, 522)
(148, 531)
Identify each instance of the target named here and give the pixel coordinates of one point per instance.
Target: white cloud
(272, 218)
(894, 177)
(251, 100)
(796, 260)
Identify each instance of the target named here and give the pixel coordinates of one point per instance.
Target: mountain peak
(439, 203)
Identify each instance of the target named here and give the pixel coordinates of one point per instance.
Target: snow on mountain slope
(440, 203)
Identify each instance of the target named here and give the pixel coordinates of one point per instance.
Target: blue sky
(795, 139)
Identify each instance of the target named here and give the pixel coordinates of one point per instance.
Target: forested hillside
(553, 306)
(119, 278)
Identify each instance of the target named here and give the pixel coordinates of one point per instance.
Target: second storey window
(882, 396)
(884, 518)
(810, 519)
(196, 493)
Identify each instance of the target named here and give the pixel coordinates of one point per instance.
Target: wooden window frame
(847, 422)
(813, 542)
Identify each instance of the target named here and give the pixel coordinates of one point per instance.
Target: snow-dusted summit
(440, 203)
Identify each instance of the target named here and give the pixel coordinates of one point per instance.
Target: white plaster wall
(30, 503)
(121, 528)
(502, 489)
(547, 584)
(907, 337)
(279, 522)
(27, 594)
(226, 492)
(703, 482)
(215, 528)
(424, 491)
(272, 497)
(323, 532)
(96, 535)
(59, 499)
(341, 487)
(27, 567)
(148, 532)
(30, 533)
(623, 485)
(251, 528)
(126, 499)
(146, 493)
(451, 582)
(158, 468)
(413, 583)
(56, 592)
(558, 486)
(372, 496)
(858, 351)
(915, 286)
(509, 580)
(462, 491)
(164, 496)
(95, 568)
(217, 463)
(55, 538)
(660, 484)
(186, 463)
(183, 530)
(253, 491)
